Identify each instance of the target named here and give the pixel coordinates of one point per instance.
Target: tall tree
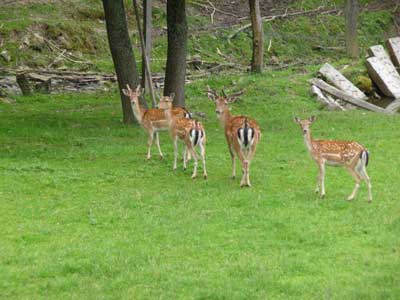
(351, 11)
(257, 60)
(147, 28)
(176, 54)
(121, 52)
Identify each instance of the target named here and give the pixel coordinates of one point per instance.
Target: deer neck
(225, 117)
(308, 141)
(138, 112)
(168, 116)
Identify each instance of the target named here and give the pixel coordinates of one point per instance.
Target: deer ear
(312, 118)
(296, 120)
(138, 89)
(125, 92)
(211, 96)
(232, 99)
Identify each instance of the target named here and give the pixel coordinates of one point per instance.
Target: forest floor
(77, 27)
(84, 216)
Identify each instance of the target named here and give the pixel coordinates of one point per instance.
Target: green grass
(83, 216)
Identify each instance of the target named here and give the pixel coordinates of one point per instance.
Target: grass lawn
(84, 216)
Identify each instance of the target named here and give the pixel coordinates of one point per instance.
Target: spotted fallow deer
(190, 131)
(242, 133)
(351, 155)
(152, 119)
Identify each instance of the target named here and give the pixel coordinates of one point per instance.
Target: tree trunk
(351, 13)
(147, 27)
(257, 60)
(121, 52)
(176, 58)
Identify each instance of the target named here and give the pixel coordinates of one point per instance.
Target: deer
(191, 132)
(153, 119)
(242, 133)
(351, 155)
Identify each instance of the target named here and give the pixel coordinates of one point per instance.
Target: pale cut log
(378, 51)
(341, 107)
(341, 82)
(385, 76)
(394, 50)
(393, 107)
(343, 96)
(332, 105)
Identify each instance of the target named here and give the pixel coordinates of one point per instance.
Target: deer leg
(364, 175)
(203, 157)
(318, 182)
(185, 156)
(190, 148)
(245, 168)
(356, 177)
(322, 178)
(175, 152)
(158, 145)
(233, 158)
(250, 156)
(233, 163)
(149, 144)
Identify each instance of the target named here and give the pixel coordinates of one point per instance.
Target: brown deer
(190, 131)
(351, 155)
(152, 119)
(242, 133)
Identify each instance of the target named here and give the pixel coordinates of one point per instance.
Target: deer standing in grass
(190, 131)
(351, 155)
(152, 119)
(242, 133)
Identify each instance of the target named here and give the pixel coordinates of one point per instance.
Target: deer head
(166, 102)
(305, 124)
(222, 101)
(133, 94)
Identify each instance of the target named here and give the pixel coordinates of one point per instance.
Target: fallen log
(330, 103)
(385, 75)
(378, 51)
(338, 80)
(337, 102)
(394, 50)
(345, 97)
(393, 107)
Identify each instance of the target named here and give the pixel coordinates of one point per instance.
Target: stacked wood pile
(53, 81)
(338, 93)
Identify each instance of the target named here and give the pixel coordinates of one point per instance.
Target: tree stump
(23, 83)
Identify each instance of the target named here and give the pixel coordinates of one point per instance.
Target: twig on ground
(216, 9)
(213, 12)
(269, 45)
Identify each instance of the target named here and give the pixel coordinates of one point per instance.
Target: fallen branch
(215, 8)
(62, 52)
